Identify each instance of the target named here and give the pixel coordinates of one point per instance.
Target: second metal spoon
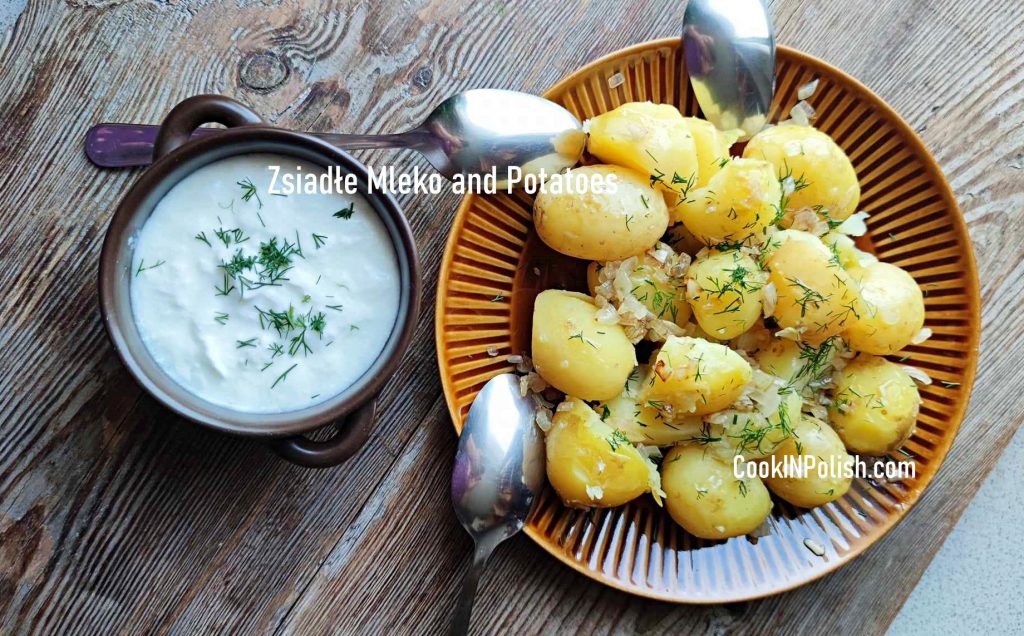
(499, 468)
(469, 133)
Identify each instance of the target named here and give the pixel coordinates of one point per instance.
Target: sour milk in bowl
(263, 303)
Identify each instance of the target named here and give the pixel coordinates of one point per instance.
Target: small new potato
(756, 434)
(737, 205)
(601, 226)
(641, 421)
(821, 172)
(796, 363)
(712, 148)
(893, 309)
(874, 405)
(814, 294)
(703, 495)
(692, 375)
(589, 463)
(653, 139)
(575, 353)
(813, 438)
(725, 291)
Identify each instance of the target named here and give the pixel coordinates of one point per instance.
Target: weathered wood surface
(117, 517)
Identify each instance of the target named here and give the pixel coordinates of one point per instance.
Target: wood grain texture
(117, 517)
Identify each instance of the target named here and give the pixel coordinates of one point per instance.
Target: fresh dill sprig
(346, 213)
(249, 191)
(319, 239)
(284, 375)
(143, 267)
(221, 317)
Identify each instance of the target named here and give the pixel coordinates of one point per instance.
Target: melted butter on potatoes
(589, 463)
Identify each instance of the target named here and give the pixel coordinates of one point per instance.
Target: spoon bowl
(499, 469)
(730, 59)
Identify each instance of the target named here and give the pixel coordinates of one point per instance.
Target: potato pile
(767, 324)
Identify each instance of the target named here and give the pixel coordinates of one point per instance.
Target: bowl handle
(353, 431)
(184, 118)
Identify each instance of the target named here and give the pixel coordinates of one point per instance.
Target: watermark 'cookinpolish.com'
(803, 466)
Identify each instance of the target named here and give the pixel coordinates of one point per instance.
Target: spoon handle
(126, 145)
(464, 610)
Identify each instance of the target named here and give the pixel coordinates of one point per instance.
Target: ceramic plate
(494, 265)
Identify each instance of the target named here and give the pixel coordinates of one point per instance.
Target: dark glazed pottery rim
(138, 204)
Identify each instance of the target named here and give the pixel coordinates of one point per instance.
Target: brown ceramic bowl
(175, 157)
(495, 265)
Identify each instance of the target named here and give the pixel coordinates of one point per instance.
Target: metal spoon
(469, 133)
(499, 467)
(730, 58)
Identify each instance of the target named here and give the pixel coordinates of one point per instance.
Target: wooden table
(117, 517)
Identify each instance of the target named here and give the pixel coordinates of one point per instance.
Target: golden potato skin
(653, 139)
(641, 422)
(582, 451)
(712, 147)
(821, 170)
(573, 352)
(874, 405)
(815, 295)
(725, 291)
(893, 309)
(814, 438)
(703, 495)
(692, 375)
(738, 203)
(602, 226)
(795, 362)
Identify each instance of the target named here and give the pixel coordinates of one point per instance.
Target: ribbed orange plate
(494, 266)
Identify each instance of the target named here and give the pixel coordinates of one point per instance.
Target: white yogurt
(263, 303)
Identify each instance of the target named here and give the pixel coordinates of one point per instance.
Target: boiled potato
(845, 251)
(653, 139)
(725, 292)
(692, 375)
(814, 295)
(589, 463)
(601, 226)
(575, 353)
(657, 284)
(797, 363)
(893, 309)
(874, 405)
(737, 205)
(712, 147)
(703, 495)
(821, 173)
(818, 486)
(641, 421)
